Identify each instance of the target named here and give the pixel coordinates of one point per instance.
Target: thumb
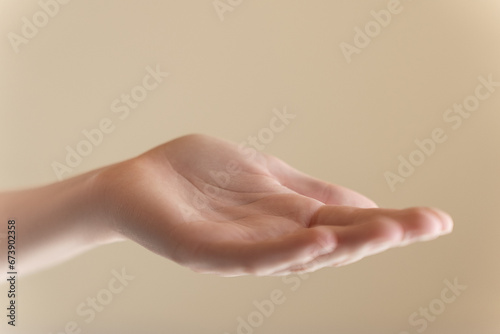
(236, 258)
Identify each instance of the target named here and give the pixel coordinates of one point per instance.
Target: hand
(218, 208)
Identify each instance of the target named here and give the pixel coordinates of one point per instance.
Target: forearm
(53, 223)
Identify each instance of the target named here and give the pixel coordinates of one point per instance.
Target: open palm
(225, 209)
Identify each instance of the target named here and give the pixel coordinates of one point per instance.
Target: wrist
(138, 200)
(98, 200)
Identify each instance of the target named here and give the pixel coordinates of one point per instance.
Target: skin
(213, 207)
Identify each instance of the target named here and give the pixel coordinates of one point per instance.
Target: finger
(375, 233)
(355, 242)
(358, 241)
(415, 221)
(264, 257)
(312, 187)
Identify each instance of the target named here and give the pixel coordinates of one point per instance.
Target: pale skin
(213, 207)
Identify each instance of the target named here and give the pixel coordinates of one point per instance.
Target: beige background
(353, 121)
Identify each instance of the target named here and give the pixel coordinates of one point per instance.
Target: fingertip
(445, 219)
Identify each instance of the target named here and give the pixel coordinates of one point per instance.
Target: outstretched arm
(214, 207)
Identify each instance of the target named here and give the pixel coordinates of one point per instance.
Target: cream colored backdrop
(353, 120)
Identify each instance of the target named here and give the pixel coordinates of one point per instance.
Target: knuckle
(387, 228)
(325, 242)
